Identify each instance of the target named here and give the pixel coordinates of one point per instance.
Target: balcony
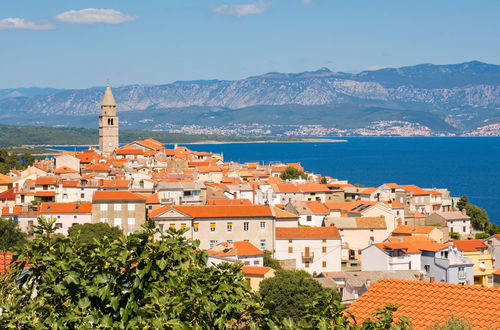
(307, 256)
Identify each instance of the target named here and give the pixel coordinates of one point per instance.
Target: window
(372, 238)
(195, 226)
(306, 264)
(247, 263)
(131, 221)
(161, 227)
(58, 217)
(245, 226)
(73, 224)
(230, 241)
(324, 241)
(229, 226)
(290, 241)
(104, 207)
(183, 225)
(65, 196)
(262, 244)
(323, 249)
(290, 249)
(427, 268)
(104, 220)
(82, 195)
(309, 218)
(118, 207)
(323, 264)
(58, 225)
(262, 226)
(212, 226)
(74, 217)
(490, 280)
(463, 229)
(212, 243)
(131, 207)
(256, 262)
(451, 229)
(118, 222)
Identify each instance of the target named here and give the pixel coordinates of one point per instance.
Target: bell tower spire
(108, 123)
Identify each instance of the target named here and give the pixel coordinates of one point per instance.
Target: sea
(465, 165)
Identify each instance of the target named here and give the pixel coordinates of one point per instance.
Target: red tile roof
(98, 168)
(46, 180)
(317, 207)
(217, 211)
(307, 232)
(129, 151)
(153, 199)
(426, 303)
(8, 194)
(470, 245)
(56, 208)
(253, 270)
(117, 196)
(114, 183)
(368, 191)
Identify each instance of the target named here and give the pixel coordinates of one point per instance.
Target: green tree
(462, 202)
(269, 261)
(288, 293)
(88, 233)
(323, 180)
(478, 216)
(292, 173)
(11, 236)
(149, 280)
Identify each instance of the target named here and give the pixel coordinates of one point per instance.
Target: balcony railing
(307, 256)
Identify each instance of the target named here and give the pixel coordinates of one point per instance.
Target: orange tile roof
(394, 204)
(46, 180)
(6, 211)
(496, 272)
(470, 245)
(64, 170)
(208, 169)
(84, 207)
(117, 196)
(417, 214)
(153, 199)
(278, 168)
(307, 232)
(129, 151)
(243, 201)
(282, 214)
(98, 167)
(317, 207)
(402, 229)
(45, 193)
(416, 190)
(239, 248)
(426, 303)
(368, 191)
(105, 183)
(370, 222)
(218, 211)
(5, 179)
(286, 188)
(254, 270)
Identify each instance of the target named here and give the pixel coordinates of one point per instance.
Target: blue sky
(78, 44)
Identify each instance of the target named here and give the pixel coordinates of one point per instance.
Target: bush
(454, 235)
(481, 235)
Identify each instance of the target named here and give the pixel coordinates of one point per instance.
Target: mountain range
(444, 98)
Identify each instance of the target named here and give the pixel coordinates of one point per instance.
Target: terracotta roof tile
(243, 201)
(307, 233)
(470, 245)
(426, 303)
(5, 179)
(46, 180)
(8, 194)
(45, 193)
(64, 170)
(239, 248)
(402, 229)
(253, 270)
(47, 208)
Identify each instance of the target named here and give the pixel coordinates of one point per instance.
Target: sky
(80, 44)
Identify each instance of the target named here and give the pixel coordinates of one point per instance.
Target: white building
(313, 249)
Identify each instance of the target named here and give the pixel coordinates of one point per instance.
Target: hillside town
(362, 241)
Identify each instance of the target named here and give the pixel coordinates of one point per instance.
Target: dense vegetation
(9, 161)
(149, 280)
(11, 237)
(478, 216)
(89, 233)
(34, 135)
(292, 173)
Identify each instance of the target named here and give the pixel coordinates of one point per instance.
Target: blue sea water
(464, 165)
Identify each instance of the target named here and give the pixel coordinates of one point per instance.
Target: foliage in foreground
(88, 233)
(453, 323)
(11, 237)
(146, 280)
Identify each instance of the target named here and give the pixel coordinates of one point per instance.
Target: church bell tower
(108, 123)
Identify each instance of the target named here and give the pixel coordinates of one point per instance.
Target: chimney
(368, 282)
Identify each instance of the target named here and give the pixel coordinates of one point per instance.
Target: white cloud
(12, 23)
(243, 10)
(94, 15)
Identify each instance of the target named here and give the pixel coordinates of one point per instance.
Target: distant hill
(453, 97)
(36, 135)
